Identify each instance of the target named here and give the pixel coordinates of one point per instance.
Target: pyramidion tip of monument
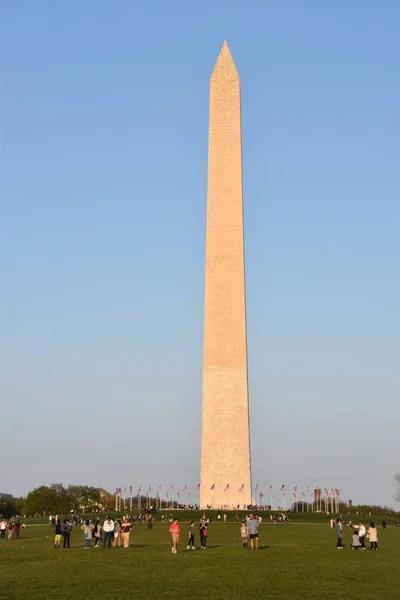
(225, 65)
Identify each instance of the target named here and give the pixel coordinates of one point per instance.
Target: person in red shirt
(175, 529)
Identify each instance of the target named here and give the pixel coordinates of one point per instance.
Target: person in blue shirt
(253, 525)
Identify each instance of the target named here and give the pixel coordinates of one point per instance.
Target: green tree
(86, 496)
(53, 499)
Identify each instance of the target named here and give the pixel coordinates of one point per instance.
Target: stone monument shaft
(225, 444)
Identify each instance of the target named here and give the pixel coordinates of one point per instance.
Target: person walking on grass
(253, 525)
(244, 532)
(373, 536)
(66, 531)
(57, 534)
(108, 528)
(175, 530)
(190, 545)
(339, 534)
(87, 529)
(203, 534)
(126, 532)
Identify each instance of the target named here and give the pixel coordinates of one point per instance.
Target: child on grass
(175, 529)
(244, 532)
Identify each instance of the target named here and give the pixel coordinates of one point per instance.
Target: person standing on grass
(244, 532)
(190, 545)
(87, 529)
(3, 527)
(361, 533)
(97, 533)
(175, 530)
(17, 528)
(373, 536)
(117, 534)
(57, 534)
(66, 531)
(108, 528)
(126, 532)
(253, 525)
(10, 529)
(339, 534)
(203, 534)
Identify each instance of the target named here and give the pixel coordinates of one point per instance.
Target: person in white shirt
(3, 527)
(361, 534)
(108, 528)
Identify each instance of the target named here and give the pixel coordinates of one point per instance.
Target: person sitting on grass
(175, 529)
(355, 542)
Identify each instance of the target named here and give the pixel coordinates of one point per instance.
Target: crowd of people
(111, 532)
(10, 528)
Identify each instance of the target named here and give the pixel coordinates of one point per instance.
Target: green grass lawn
(297, 562)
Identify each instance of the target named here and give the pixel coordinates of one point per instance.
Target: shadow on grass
(263, 547)
(214, 546)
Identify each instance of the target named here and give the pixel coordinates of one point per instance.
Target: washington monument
(225, 444)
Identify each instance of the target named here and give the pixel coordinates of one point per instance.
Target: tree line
(57, 499)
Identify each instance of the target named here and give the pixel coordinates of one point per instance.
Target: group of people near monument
(248, 531)
(359, 533)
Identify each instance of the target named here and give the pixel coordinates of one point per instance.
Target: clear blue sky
(104, 115)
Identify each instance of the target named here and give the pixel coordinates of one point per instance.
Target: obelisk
(225, 444)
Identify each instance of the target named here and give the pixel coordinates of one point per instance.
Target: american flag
(241, 488)
(149, 488)
(185, 488)
(188, 495)
(130, 489)
(213, 486)
(261, 494)
(303, 495)
(307, 490)
(177, 494)
(120, 491)
(197, 486)
(166, 494)
(337, 492)
(295, 488)
(160, 487)
(140, 489)
(326, 492)
(172, 486)
(116, 491)
(256, 488)
(270, 488)
(227, 488)
(282, 488)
